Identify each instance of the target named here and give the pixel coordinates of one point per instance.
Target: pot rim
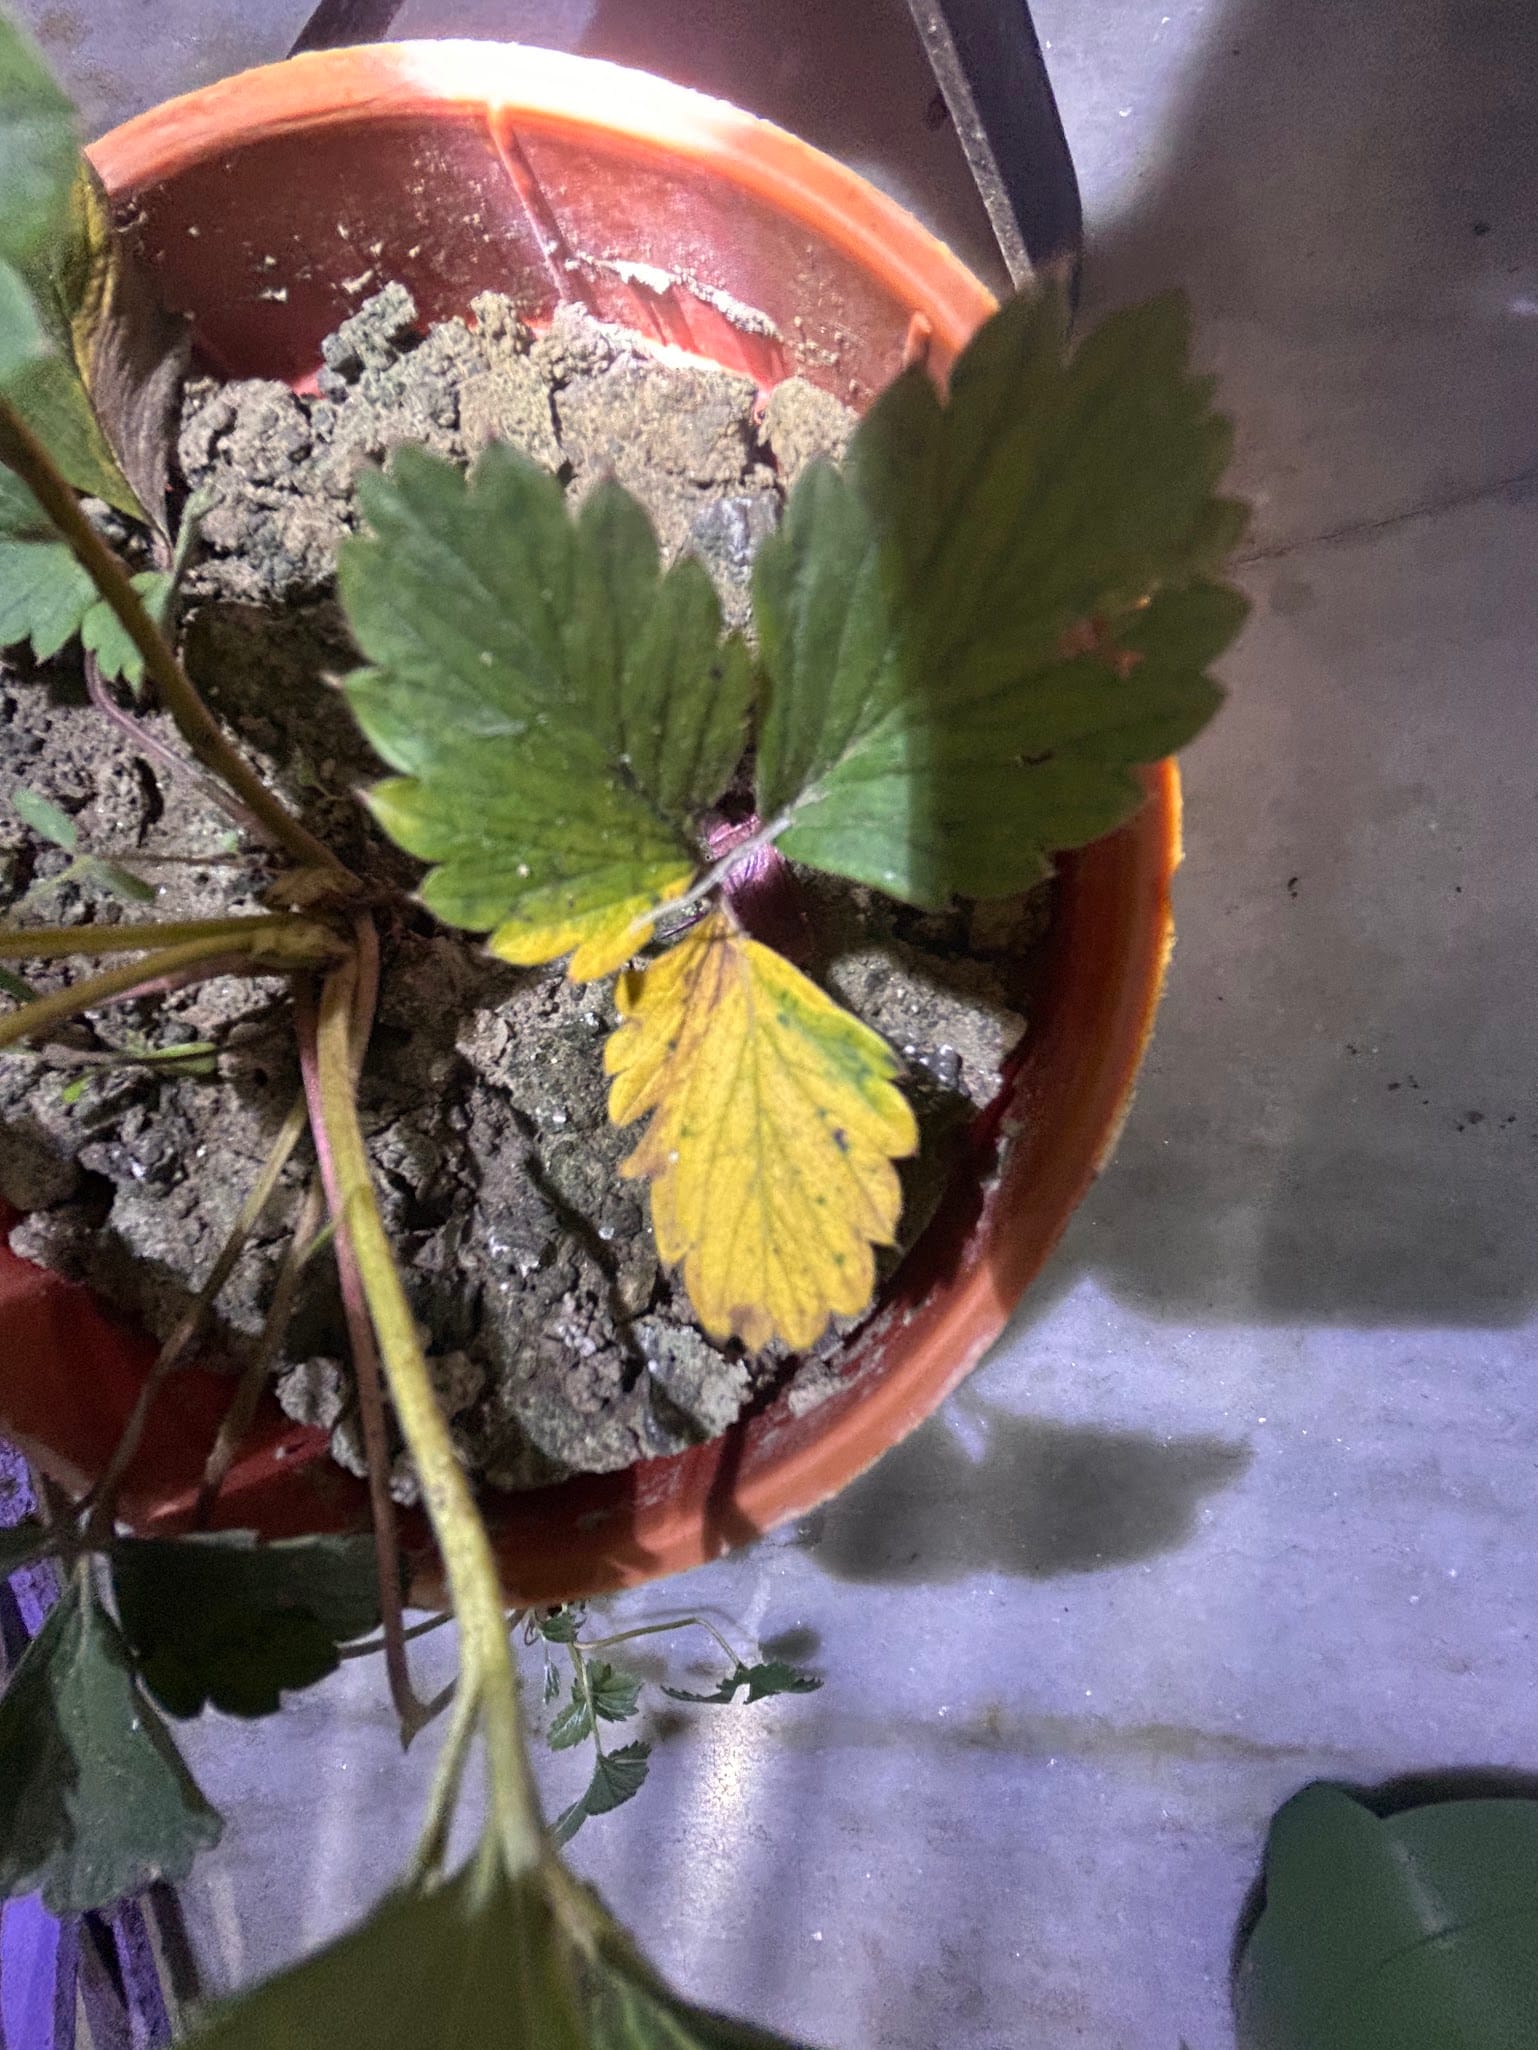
(1104, 995)
(551, 89)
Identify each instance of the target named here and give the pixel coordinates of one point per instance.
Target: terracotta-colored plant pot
(270, 204)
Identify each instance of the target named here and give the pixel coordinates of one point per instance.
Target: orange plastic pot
(269, 204)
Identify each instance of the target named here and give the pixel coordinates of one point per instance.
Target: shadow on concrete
(1040, 1499)
(1336, 1124)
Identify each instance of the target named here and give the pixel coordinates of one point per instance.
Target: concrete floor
(1246, 1496)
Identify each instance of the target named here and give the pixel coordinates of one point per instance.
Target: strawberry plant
(965, 640)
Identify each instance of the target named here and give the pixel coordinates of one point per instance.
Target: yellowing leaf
(102, 398)
(775, 1119)
(598, 941)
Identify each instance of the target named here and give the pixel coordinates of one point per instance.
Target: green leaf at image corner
(23, 340)
(1415, 1931)
(474, 1963)
(39, 148)
(557, 707)
(629, 2008)
(630, 2013)
(221, 1620)
(95, 1800)
(963, 663)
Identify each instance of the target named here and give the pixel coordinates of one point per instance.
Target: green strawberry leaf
(618, 1776)
(21, 1543)
(574, 1722)
(609, 1695)
(103, 635)
(975, 632)
(559, 710)
(616, 1693)
(44, 595)
(628, 2007)
(95, 1800)
(23, 340)
(474, 1963)
(761, 1681)
(561, 1625)
(39, 149)
(224, 1621)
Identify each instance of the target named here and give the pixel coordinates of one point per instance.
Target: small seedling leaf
(46, 818)
(561, 1625)
(616, 1693)
(223, 1620)
(559, 710)
(775, 1119)
(95, 1800)
(120, 881)
(71, 1092)
(16, 987)
(21, 1543)
(771, 1677)
(473, 1964)
(574, 1722)
(976, 631)
(618, 1776)
(103, 634)
(610, 1695)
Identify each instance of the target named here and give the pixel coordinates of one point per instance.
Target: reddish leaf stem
(363, 972)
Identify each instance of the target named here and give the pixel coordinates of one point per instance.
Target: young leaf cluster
(604, 1693)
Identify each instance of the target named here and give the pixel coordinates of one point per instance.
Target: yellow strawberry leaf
(599, 941)
(775, 1119)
